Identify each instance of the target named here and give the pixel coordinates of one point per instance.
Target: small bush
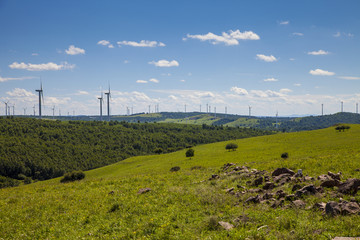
(231, 146)
(8, 182)
(158, 150)
(190, 153)
(175, 169)
(73, 176)
(27, 180)
(284, 155)
(342, 128)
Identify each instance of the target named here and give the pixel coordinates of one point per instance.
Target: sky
(279, 56)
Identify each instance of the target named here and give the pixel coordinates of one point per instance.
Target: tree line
(44, 149)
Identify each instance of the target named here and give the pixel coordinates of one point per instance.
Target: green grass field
(185, 204)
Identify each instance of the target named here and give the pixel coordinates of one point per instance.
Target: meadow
(186, 204)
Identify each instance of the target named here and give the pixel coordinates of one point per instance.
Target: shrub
(114, 207)
(231, 146)
(73, 176)
(342, 128)
(190, 153)
(284, 155)
(175, 169)
(8, 182)
(27, 180)
(158, 150)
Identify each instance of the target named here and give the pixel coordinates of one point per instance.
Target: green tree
(190, 153)
(231, 146)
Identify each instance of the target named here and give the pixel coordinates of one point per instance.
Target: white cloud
(12, 79)
(41, 67)
(342, 77)
(292, 59)
(105, 43)
(126, 61)
(142, 43)
(141, 81)
(271, 80)
(285, 90)
(240, 91)
(154, 80)
(34, 54)
(320, 72)
(297, 84)
(265, 58)
(20, 92)
(57, 101)
(229, 38)
(165, 63)
(266, 94)
(74, 50)
(284, 22)
(338, 34)
(182, 80)
(172, 97)
(320, 52)
(298, 34)
(80, 92)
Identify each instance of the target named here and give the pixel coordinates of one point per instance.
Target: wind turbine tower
(108, 96)
(53, 109)
(357, 107)
(322, 109)
(249, 111)
(185, 108)
(200, 107)
(24, 111)
(34, 110)
(41, 96)
(6, 108)
(13, 109)
(207, 108)
(101, 102)
(342, 106)
(277, 126)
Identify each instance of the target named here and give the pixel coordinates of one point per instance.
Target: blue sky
(275, 56)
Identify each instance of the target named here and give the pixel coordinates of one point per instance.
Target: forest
(44, 149)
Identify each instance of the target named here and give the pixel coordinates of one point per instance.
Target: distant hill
(285, 124)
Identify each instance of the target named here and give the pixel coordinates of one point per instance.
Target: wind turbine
(108, 96)
(13, 106)
(34, 110)
(53, 109)
(6, 108)
(101, 102)
(41, 96)
(24, 111)
(249, 111)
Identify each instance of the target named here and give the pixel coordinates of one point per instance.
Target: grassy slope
(180, 206)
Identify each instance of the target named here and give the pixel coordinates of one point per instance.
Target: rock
(214, 176)
(290, 197)
(266, 178)
(332, 208)
(280, 194)
(255, 199)
(348, 208)
(255, 190)
(334, 176)
(299, 173)
(268, 185)
(230, 190)
(111, 192)
(320, 206)
(350, 186)
(296, 187)
(258, 181)
(227, 226)
(227, 166)
(330, 183)
(282, 176)
(324, 177)
(239, 186)
(307, 178)
(280, 171)
(307, 190)
(267, 196)
(144, 190)
(174, 169)
(277, 203)
(299, 203)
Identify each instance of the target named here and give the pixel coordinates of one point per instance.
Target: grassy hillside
(44, 149)
(185, 204)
